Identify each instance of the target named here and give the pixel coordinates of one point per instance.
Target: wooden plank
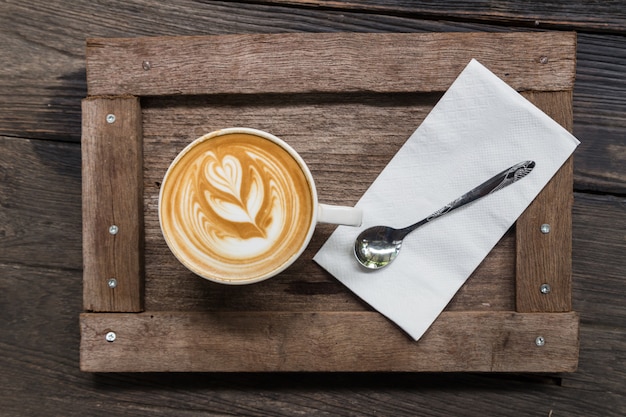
(325, 341)
(112, 189)
(600, 115)
(46, 107)
(598, 259)
(332, 132)
(40, 203)
(589, 16)
(345, 62)
(544, 260)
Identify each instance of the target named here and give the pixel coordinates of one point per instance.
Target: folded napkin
(480, 127)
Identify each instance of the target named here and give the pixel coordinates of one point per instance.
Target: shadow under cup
(237, 206)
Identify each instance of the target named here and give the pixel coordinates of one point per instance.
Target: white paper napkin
(480, 127)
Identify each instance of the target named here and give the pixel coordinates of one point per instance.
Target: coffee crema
(235, 207)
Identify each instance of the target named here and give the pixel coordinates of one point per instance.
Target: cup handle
(348, 216)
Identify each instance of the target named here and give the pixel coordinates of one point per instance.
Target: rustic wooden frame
(121, 71)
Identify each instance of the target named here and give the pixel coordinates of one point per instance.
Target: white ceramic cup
(230, 211)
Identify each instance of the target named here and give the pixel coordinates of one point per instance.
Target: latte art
(235, 207)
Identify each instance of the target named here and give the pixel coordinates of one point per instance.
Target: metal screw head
(113, 229)
(112, 283)
(110, 337)
(110, 118)
(540, 341)
(146, 65)
(543, 60)
(545, 228)
(545, 288)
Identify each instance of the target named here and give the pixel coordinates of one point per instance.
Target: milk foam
(235, 207)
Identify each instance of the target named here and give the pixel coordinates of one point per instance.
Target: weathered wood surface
(597, 16)
(545, 258)
(112, 168)
(541, 256)
(325, 342)
(305, 62)
(42, 81)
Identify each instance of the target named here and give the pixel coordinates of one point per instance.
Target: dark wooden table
(42, 80)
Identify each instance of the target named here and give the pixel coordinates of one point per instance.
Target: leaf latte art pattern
(227, 198)
(235, 206)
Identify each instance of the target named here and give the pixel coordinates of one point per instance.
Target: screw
(112, 283)
(540, 341)
(113, 229)
(543, 60)
(110, 118)
(146, 65)
(545, 228)
(545, 288)
(110, 337)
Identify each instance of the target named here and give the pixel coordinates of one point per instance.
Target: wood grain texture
(325, 341)
(546, 258)
(304, 63)
(599, 242)
(40, 203)
(599, 116)
(594, 16)
(112, 188)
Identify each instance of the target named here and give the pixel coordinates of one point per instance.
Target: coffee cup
(239, 206)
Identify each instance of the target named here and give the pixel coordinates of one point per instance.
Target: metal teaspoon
(376, 247)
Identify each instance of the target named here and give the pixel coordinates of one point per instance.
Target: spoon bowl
(376, 247)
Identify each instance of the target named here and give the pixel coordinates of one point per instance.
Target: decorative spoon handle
(497, 182)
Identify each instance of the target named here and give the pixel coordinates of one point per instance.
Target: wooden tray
(331, 96)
